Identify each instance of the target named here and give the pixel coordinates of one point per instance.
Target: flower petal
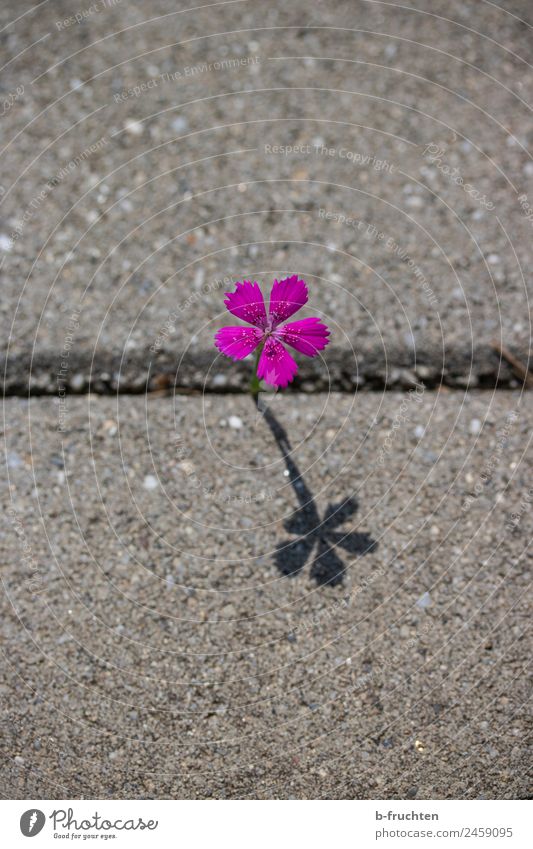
(238, 342)
(247, 303)
(309, 335)
(276, 365)
(286, 298)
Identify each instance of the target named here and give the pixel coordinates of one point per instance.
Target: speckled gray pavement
(153, 158)
(185, 613)
(154, 646)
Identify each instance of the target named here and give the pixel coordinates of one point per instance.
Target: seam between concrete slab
(106, 372)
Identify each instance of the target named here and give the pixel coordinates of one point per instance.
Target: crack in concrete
(107, 372)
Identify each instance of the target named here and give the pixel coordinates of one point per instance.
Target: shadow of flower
(316, 536)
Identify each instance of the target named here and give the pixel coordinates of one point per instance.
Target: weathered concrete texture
(369, 368)
(155, 645)
(142, 175)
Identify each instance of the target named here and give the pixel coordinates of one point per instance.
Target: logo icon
(32, 822)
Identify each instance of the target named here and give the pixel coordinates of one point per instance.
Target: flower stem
(255, 383)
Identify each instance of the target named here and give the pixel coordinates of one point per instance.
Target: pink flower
(308, 335)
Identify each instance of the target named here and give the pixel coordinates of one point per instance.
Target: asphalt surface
(328, 600)
(151, 159)
(186, 615)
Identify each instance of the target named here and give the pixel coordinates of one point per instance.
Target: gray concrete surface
(154, 645)
(140, 171)
(190, 608)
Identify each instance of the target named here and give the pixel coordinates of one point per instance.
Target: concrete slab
(187, 614)
(150, 161)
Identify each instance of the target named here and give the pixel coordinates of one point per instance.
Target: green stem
(255, 383)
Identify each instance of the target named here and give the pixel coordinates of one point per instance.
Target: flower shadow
(316, 538)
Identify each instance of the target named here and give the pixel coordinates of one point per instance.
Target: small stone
(424, 601)
(110, 427)
(77, 382)
(179, 124)
(407, 379)
(19, 761)
(475, 427)
(467, 381)
(150, 482)
(134, 127)
(5, 243)
(420, 431)
(199, 278)
(220, 380)
(14, 461)
(235, 422)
